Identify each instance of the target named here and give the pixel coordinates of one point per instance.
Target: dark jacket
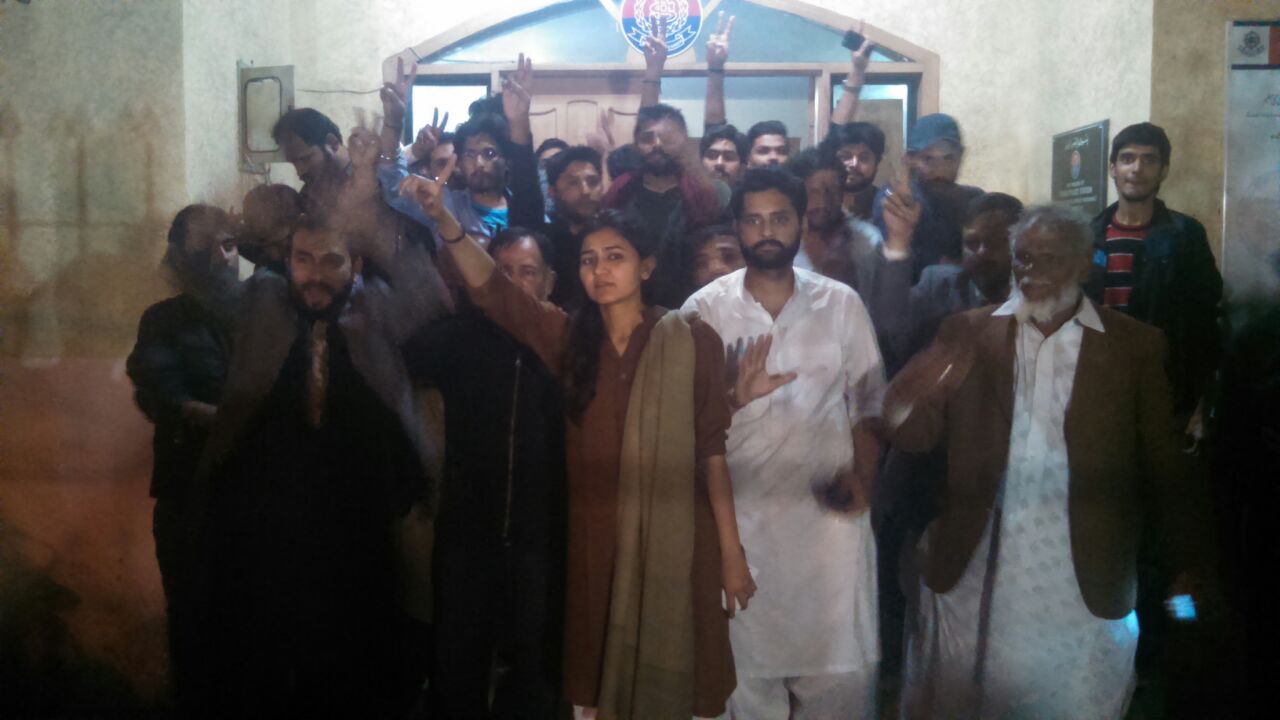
(504, 433)
(181, 355)
(1177, 288)
(378, 318)
(1122, 452)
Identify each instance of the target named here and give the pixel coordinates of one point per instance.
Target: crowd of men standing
(737, 432)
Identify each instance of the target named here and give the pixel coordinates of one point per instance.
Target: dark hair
(756, 180)
(810, 160)
(856, 133)
(623, 160)
(447, 139)
(586, 325)
(994, 202)
(1143, 133)
(309, 125)
(188, 216)
(512, 235)
(762, 128)
(487, 105)
(561, 162)
(276, 201)
(550, 144)
(495, 126)
(705, 235)
(651, 114)
(724, 132)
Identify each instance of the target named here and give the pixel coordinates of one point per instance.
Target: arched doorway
(785, 63)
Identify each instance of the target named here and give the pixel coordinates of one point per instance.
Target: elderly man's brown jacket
(1122, 453)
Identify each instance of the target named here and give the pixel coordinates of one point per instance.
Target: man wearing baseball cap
(934, 152)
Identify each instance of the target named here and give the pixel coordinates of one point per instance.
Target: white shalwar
(1048, 656)
(814, 612)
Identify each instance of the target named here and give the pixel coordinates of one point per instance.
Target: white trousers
(844, 696)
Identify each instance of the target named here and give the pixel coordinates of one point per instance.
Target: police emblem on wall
(641, 19)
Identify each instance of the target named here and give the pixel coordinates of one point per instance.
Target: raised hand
(860, 59)
(746, 371)
(429, 135)
(934, 373)
(362, 147)
(429, 193)
(655, 51)
(516, 89)
(395, 95)
(718, 43)
(602, 137)
(901, 215)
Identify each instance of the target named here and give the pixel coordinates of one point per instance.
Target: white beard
(1043, 311)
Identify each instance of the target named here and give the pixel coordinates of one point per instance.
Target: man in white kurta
(807, 647)
(1047, 656)
(1014, 638)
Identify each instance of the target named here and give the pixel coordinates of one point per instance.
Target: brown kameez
(593, 449)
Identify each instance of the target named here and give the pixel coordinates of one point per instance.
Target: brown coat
(593, 451)
(1122, 453)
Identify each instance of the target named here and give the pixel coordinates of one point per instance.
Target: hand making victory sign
(517, 99)
(718, 43)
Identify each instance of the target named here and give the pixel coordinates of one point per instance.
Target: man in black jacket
(499, 544)
(1155, 265)
(178, 366)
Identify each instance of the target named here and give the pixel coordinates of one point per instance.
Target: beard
(215, 286)
(1043, 311)
(337, 300)
(857, 183)
(778, 256)
(658, 162)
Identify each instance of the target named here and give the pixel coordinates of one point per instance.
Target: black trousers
(497, 631)
(180, 575)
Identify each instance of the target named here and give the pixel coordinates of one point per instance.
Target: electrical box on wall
(266, 93)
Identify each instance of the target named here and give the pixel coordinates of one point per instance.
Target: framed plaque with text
(1080, 162)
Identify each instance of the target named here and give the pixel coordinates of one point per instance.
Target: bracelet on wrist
(717, 71)
(456, 240)
(653, 82)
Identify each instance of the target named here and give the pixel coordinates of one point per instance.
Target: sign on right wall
(1251, 212)
(1080, 163)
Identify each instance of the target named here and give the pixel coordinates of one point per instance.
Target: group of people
(717, 426)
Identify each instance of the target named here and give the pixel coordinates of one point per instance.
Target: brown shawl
(648, 657)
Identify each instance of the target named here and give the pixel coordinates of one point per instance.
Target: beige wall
(1188, 97)
(92, 164)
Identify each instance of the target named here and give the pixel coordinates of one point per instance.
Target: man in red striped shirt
(1155, 264)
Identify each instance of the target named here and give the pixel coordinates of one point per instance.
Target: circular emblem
(1252, 44)
(642, 19)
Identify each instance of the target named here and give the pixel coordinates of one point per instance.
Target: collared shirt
(815, 611)
(1048, 655)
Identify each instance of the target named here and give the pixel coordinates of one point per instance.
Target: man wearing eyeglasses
(494, 198)
(933, 157)
(806, 391)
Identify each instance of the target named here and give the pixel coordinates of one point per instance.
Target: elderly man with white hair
(1060, 439)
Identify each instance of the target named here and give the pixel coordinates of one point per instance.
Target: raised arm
(916, 401)
(655, 59)
(540, 325)
(395, 101)
(526, 208)
(717, 55)
(847, 108)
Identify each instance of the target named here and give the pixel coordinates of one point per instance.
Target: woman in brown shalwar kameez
(598, 352)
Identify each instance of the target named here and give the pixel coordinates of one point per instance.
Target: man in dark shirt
(316, 451)
(499, 545)
(671, 195)
(933, 157)
(178, 366)
(1155, 264)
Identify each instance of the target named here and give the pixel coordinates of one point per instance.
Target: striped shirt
(1124, 258)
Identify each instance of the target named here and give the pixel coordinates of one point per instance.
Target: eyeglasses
(488, 154)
